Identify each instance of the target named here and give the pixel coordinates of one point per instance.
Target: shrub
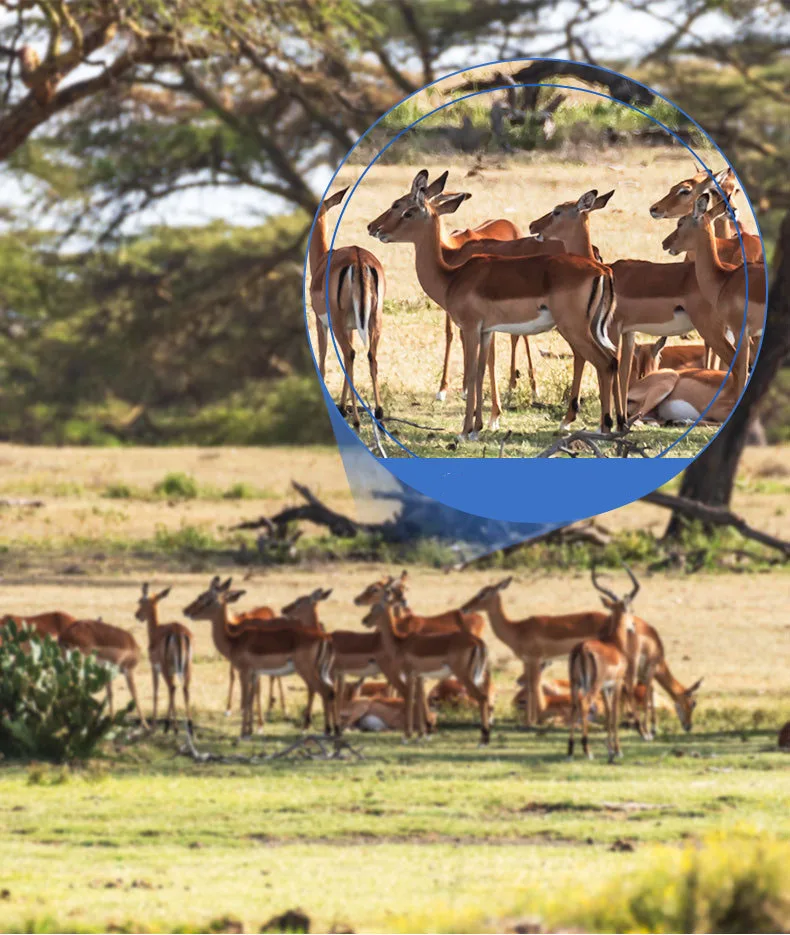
(47, 706)
(177, 485)
(118, 491)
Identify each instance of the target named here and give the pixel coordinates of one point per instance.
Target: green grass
(443, 832)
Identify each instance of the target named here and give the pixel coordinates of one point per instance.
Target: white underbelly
(371, 722)
(543, 321)
(677, 410)
(287, 669)
(369, 670)
(442, 673)
(680, 323)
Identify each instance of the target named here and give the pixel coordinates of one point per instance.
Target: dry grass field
(521, 189)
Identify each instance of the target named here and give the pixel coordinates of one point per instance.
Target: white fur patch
(677, 410)
(287, 669)
(544, 321)
(680, 324)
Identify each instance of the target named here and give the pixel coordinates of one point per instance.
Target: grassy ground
(412, 346)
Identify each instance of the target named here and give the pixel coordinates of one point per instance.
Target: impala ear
(587, 200)
(437, 185)
(695, 687)
(403, 576)
(701, 205)
(449, 204)
(607, 603)
(602, 201)
(322, 595)
(724, 177)
(420, 182)
(656, 349)
(214, 583)
(163, 594)
(504, 584)
(232, 596)
(333, 200)
(145, 589)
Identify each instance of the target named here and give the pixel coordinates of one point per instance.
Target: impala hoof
(494, 424)
(378, 412)
(441, 396)
(473, 436)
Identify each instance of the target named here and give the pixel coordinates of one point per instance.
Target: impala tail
(582, 669)
(480, 664)
(177, 653)
(601, 309)
(360, 287)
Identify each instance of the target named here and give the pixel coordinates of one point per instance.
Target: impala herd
(615, 658)
(491, 279)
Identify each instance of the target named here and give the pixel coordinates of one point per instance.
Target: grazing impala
(267, 649)
(356, 303)
(679, 201)
(652, 298)
(419, 657)
(110, 644)
(668, 396)
(169, 652)
(534, 640)
(51, 623)
(725, 288)
(515, 295)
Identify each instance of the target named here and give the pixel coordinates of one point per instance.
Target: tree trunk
(710, 479)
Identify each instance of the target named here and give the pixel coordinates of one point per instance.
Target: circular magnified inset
(538, 273)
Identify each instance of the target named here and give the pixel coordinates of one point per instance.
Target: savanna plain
(440, 836)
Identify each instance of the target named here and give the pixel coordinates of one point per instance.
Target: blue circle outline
(693, 153)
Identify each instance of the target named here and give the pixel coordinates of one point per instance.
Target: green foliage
(47, 706)
(118, 492)
(177, 486)
(726, 886)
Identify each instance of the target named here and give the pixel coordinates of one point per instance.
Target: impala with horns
(652, 298)
(169, 652)
(420, 656)
(276, 647)
(738, 294)
(356, 303)
(679, 201)
(514, 295)
(668, 396)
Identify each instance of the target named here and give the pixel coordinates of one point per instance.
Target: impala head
(679, 200)
(647, 358)
(409, 216)
(376, 591)
(379, 614)
(562, 222)
(683, 237)
(147, 602)
(685, 703)
(485, 598)
(216, 595)
(621, 608)
(304, 607)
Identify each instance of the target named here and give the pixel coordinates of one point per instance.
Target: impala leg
(170, 720)
(378, 412)
(185, 684)
(616, 724)
(514, 374)
(281, 690)
(411, 684)
(308, 711)
(155, 674)
(471, 354)
(486, 343)
(575, 715)
(741, 368)
(271, 701)
(421, 705)
(244, 692)
(256, 693)
(533, 384)
(576, 383)
(133, 693)
(651, 697)
(448, 342)
(584, 714)
(496, 403)
(323, 342)
(229, 704)
(349, 354)
(626, 364)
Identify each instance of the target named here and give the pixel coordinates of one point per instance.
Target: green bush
(47, 706)
(177, 485)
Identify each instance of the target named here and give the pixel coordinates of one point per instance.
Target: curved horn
(600, 587)
(635, 583)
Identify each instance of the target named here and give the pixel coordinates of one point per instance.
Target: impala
(377, 714)
(515, 295)
(169, 652)
(51, 623)
(356, 303)
(266, 649)
(257, 613)
(419, 657)
(652, 298)
(724, 287)
(651, 357)
(534, 640)
(679, 201)
(110, 644)
(669, 396)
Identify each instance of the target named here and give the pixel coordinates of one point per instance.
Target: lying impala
(652, 298)
(724, 287)
(356, 303)
(651, 357)
(169, 652)
(515, 295)
(679, 201)
(267, 649)
(436, 656)
(110, 644)
(668, 396)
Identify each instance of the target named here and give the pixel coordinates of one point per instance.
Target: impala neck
(309, 618)
(579, 242)
(386, 627)
(319, 242)
(220, 621)
(152, 621)
(502, 627)
(433, 272)
(711, 275)
(668, 681)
